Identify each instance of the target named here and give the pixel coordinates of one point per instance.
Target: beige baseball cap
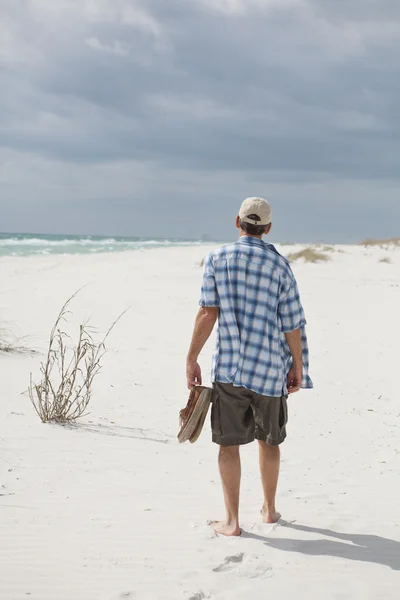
(256, 207)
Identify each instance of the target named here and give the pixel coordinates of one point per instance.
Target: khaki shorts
(239, 416)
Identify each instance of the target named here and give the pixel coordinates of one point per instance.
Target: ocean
(22, 244)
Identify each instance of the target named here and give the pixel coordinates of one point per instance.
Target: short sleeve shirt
(257, 294)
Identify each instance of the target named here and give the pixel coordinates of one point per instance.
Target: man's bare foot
(270, 516)
(227, 529)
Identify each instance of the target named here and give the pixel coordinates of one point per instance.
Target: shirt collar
(247, 239)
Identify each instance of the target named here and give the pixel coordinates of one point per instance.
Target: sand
(115, 508)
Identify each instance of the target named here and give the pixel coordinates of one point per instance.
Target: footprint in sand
(229, 563)
(247, 567)
(255, 567)
(199, 596)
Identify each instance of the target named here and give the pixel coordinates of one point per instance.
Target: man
(261, 354)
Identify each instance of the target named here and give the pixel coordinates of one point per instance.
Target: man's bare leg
(270, 458)
(230, 470)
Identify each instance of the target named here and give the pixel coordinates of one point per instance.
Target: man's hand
(193, 374)
(294, 379)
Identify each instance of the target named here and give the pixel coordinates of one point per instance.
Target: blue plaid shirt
(256, 292)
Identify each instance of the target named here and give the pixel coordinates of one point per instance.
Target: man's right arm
(292, 319)
(295, 375)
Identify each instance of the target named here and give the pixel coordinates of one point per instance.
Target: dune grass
(386, 259)
(374, 242)
(309, 255)
(12, 344)
(66, 387)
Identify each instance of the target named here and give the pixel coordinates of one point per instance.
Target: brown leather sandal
(193, 416)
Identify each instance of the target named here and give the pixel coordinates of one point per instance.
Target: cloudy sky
(158, 117)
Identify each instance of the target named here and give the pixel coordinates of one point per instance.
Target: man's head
(254, 218)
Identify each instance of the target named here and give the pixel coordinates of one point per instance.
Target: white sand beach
(113, 507)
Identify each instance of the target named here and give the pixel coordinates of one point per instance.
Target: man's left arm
(205, 321)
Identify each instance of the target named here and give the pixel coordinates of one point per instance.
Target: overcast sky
(158, 117)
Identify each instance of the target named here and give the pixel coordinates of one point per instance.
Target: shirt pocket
(216, 416)
(283, 412)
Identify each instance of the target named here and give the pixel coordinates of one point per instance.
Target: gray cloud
(182, 103)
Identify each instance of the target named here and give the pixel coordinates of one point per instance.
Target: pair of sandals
(193, 416)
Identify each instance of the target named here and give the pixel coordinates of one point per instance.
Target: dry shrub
(389, 242)
(65, 390)
(386, 260)
(308, 255)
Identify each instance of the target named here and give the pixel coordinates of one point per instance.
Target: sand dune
(115, 508)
